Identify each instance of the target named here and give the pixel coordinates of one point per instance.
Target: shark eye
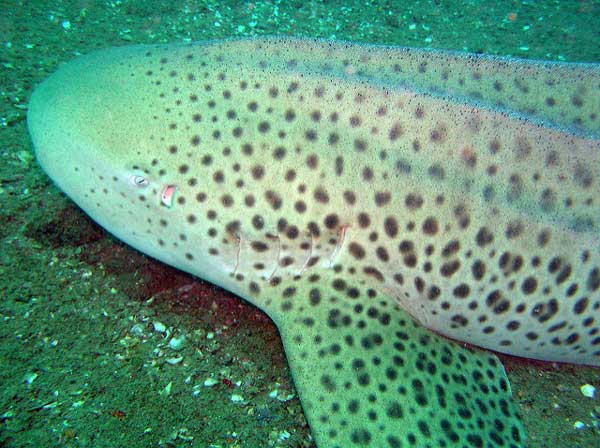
(138, 181)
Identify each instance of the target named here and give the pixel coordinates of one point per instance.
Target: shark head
(96, 133)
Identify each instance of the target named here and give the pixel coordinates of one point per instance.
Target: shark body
(369, 199)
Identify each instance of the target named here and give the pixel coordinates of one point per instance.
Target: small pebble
(174, 361)
(137, 330)
(30, 377)
(588, 390)
(6, 416)
(210, 382)
(578, 425)
(167, 390)
(177, 343)
(159, 326)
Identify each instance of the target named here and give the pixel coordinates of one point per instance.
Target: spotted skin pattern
(369, 199)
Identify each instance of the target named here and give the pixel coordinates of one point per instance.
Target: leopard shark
(396, 212)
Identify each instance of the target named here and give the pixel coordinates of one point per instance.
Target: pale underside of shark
(369, 199)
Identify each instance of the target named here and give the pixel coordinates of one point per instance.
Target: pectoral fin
(368, 375)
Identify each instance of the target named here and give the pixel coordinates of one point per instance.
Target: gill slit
(278, 256)
(305, 266)
(238, 253)
(338, 246)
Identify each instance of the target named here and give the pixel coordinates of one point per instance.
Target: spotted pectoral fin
(368, 375)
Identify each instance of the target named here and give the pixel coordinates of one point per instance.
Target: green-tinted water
(85, 359)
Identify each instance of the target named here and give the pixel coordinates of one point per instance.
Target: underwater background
(101, 346)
